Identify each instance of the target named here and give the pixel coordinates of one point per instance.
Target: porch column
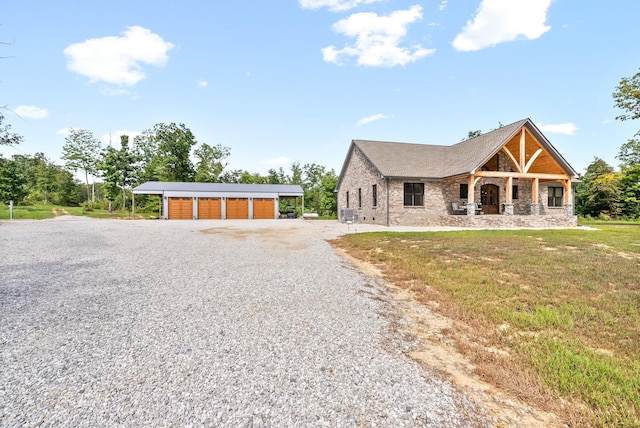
(535, 203)
(471, 195)
(567, 203)
(508, 203)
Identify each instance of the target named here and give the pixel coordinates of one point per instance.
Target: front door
(490, 199)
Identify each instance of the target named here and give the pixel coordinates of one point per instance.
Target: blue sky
(296, 80)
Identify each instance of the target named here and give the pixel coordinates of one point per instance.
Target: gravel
(203, 323)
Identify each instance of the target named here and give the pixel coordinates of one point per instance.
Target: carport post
(133, 205)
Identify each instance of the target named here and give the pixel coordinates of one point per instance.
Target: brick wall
(361, 174)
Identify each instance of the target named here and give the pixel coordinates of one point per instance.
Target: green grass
(570, 300)
(41, 212)
(33, 212)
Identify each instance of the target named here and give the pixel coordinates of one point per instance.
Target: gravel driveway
(202, 323)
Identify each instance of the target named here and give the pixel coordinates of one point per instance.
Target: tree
(629, 153)
(110, 169)
(277, 177)
(231, 176)
(7, 138)
(472, 134)
(600, 191)
(248, 178)
(209, 164)
(80, 152)
(12, 180)
(627, 97)
(173, 149)
(318, 185)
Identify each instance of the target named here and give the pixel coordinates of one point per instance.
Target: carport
(219, 201)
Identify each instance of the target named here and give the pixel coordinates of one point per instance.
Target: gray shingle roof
(435, 161)
(158, 187)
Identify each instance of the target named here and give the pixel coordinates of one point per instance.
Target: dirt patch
(287, 237)
(58, 212)
(439, 352)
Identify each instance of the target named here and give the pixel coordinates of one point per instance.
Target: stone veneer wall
(361, 174)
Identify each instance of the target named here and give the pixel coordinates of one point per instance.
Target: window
(347, 199)
(464, 191)
(555, 196)
(359, 198)
(514, 192)
(374, 191)
(414, 194)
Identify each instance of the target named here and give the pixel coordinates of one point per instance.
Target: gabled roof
(159, 187)
(435, 161)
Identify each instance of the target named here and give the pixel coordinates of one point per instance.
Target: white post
(11, 210)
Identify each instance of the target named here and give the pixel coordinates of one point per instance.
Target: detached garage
(219, 201)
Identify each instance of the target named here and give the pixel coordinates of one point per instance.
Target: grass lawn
(40, 212)
(564, 305)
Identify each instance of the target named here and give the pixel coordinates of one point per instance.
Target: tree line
(603, 191)
(166, 152)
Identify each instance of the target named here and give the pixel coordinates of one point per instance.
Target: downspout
(387, 179)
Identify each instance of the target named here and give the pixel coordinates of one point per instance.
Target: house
(511, 176)
(219, 201)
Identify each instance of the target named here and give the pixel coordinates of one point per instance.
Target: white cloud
(31, 112)
(203, 83)
(559, 128)
(371, 118)
(118, 59)
(499, 21)
(279, 161)
(443, 5)
(378, 39)
(334, 5)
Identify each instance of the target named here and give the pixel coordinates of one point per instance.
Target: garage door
(263, 208)
(180, 208)
(237, 208)
(209, 209)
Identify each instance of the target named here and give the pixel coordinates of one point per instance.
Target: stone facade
(360, 176)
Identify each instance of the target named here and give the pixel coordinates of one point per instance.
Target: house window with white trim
(413, 194)
(555, 196)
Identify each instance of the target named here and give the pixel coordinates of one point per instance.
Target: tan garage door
(237, 208)
(263, 208)
(209, 209)
(180, 208)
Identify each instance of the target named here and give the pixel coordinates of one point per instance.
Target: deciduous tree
(81, 152)
(173, 145)
(209, 165)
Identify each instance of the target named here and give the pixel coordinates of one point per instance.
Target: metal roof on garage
(160, 187)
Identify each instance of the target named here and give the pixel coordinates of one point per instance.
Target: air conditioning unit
(347, 215)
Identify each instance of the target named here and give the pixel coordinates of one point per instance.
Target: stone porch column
(568, 209)
(508, 209)
(471, 208)
(535, 209)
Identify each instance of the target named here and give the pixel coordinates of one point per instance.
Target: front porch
(491, 221)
